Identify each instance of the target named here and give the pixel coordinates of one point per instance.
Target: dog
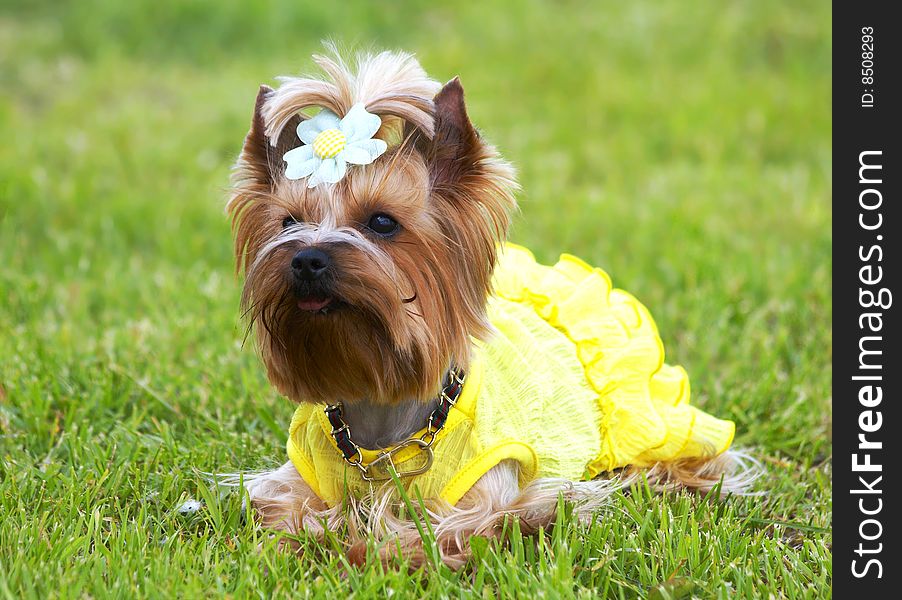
(436, 367)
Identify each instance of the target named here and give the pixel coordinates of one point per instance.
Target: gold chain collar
(341, 433)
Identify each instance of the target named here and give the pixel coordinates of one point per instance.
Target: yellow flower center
(329, 143)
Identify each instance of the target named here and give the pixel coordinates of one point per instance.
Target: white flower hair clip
(331, 143)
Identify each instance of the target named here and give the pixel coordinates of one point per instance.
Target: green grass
(685, 147)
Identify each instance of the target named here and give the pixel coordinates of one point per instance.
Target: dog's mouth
(316, 304)
(315, 297)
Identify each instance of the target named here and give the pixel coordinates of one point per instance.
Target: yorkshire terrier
(437, 368)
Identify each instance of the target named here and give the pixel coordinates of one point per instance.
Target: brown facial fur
(410, 304)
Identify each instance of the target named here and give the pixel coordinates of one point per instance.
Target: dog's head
(366, 280)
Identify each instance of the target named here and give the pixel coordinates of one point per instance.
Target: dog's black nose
(309, 264)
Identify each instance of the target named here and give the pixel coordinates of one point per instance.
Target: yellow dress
(572, 384)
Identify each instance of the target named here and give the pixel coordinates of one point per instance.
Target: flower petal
(301, 162)
(314, 180)
(342, 166)
(310, 128)
(330, 171)
(359, 124)
(363, 152)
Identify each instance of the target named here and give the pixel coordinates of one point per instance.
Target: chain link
(425, 441)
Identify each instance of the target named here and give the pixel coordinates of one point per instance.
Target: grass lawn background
(684, 147)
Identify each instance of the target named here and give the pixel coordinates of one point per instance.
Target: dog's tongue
(314, 304)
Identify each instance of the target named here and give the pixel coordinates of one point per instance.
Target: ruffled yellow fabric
(572, 384)
(646, 416)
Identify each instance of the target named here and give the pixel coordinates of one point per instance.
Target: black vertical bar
(866, 267)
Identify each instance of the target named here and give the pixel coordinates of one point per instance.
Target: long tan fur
(285, 503)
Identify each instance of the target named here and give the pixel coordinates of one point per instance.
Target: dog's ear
(455, 149)
(263, 160)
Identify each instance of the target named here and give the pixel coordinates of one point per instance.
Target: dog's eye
(383, 225)
(288, 222)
